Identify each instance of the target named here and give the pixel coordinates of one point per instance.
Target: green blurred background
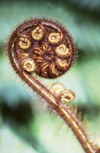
(26, 124)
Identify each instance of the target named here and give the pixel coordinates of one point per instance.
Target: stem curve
(66, 114)
(63, 111)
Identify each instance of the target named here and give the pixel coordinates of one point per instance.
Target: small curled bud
(55, 38)
(38, 33)
(67, 96)
(62, 64)
(29, 65)
(24, 43)
(57, 88)
(62, 51)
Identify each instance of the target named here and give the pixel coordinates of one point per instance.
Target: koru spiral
(44, 47)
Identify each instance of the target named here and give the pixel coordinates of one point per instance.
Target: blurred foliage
(23, 116)
(89, 6)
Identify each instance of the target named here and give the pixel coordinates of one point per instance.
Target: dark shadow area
(19, 116)
(85, 11)
(83, 56)
(22, 115)
(93, 14)
(88, 110)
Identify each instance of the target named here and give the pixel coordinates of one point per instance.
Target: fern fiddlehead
(44, 47)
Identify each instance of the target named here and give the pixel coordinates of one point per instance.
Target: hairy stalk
(25, 67)
(63, 111)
